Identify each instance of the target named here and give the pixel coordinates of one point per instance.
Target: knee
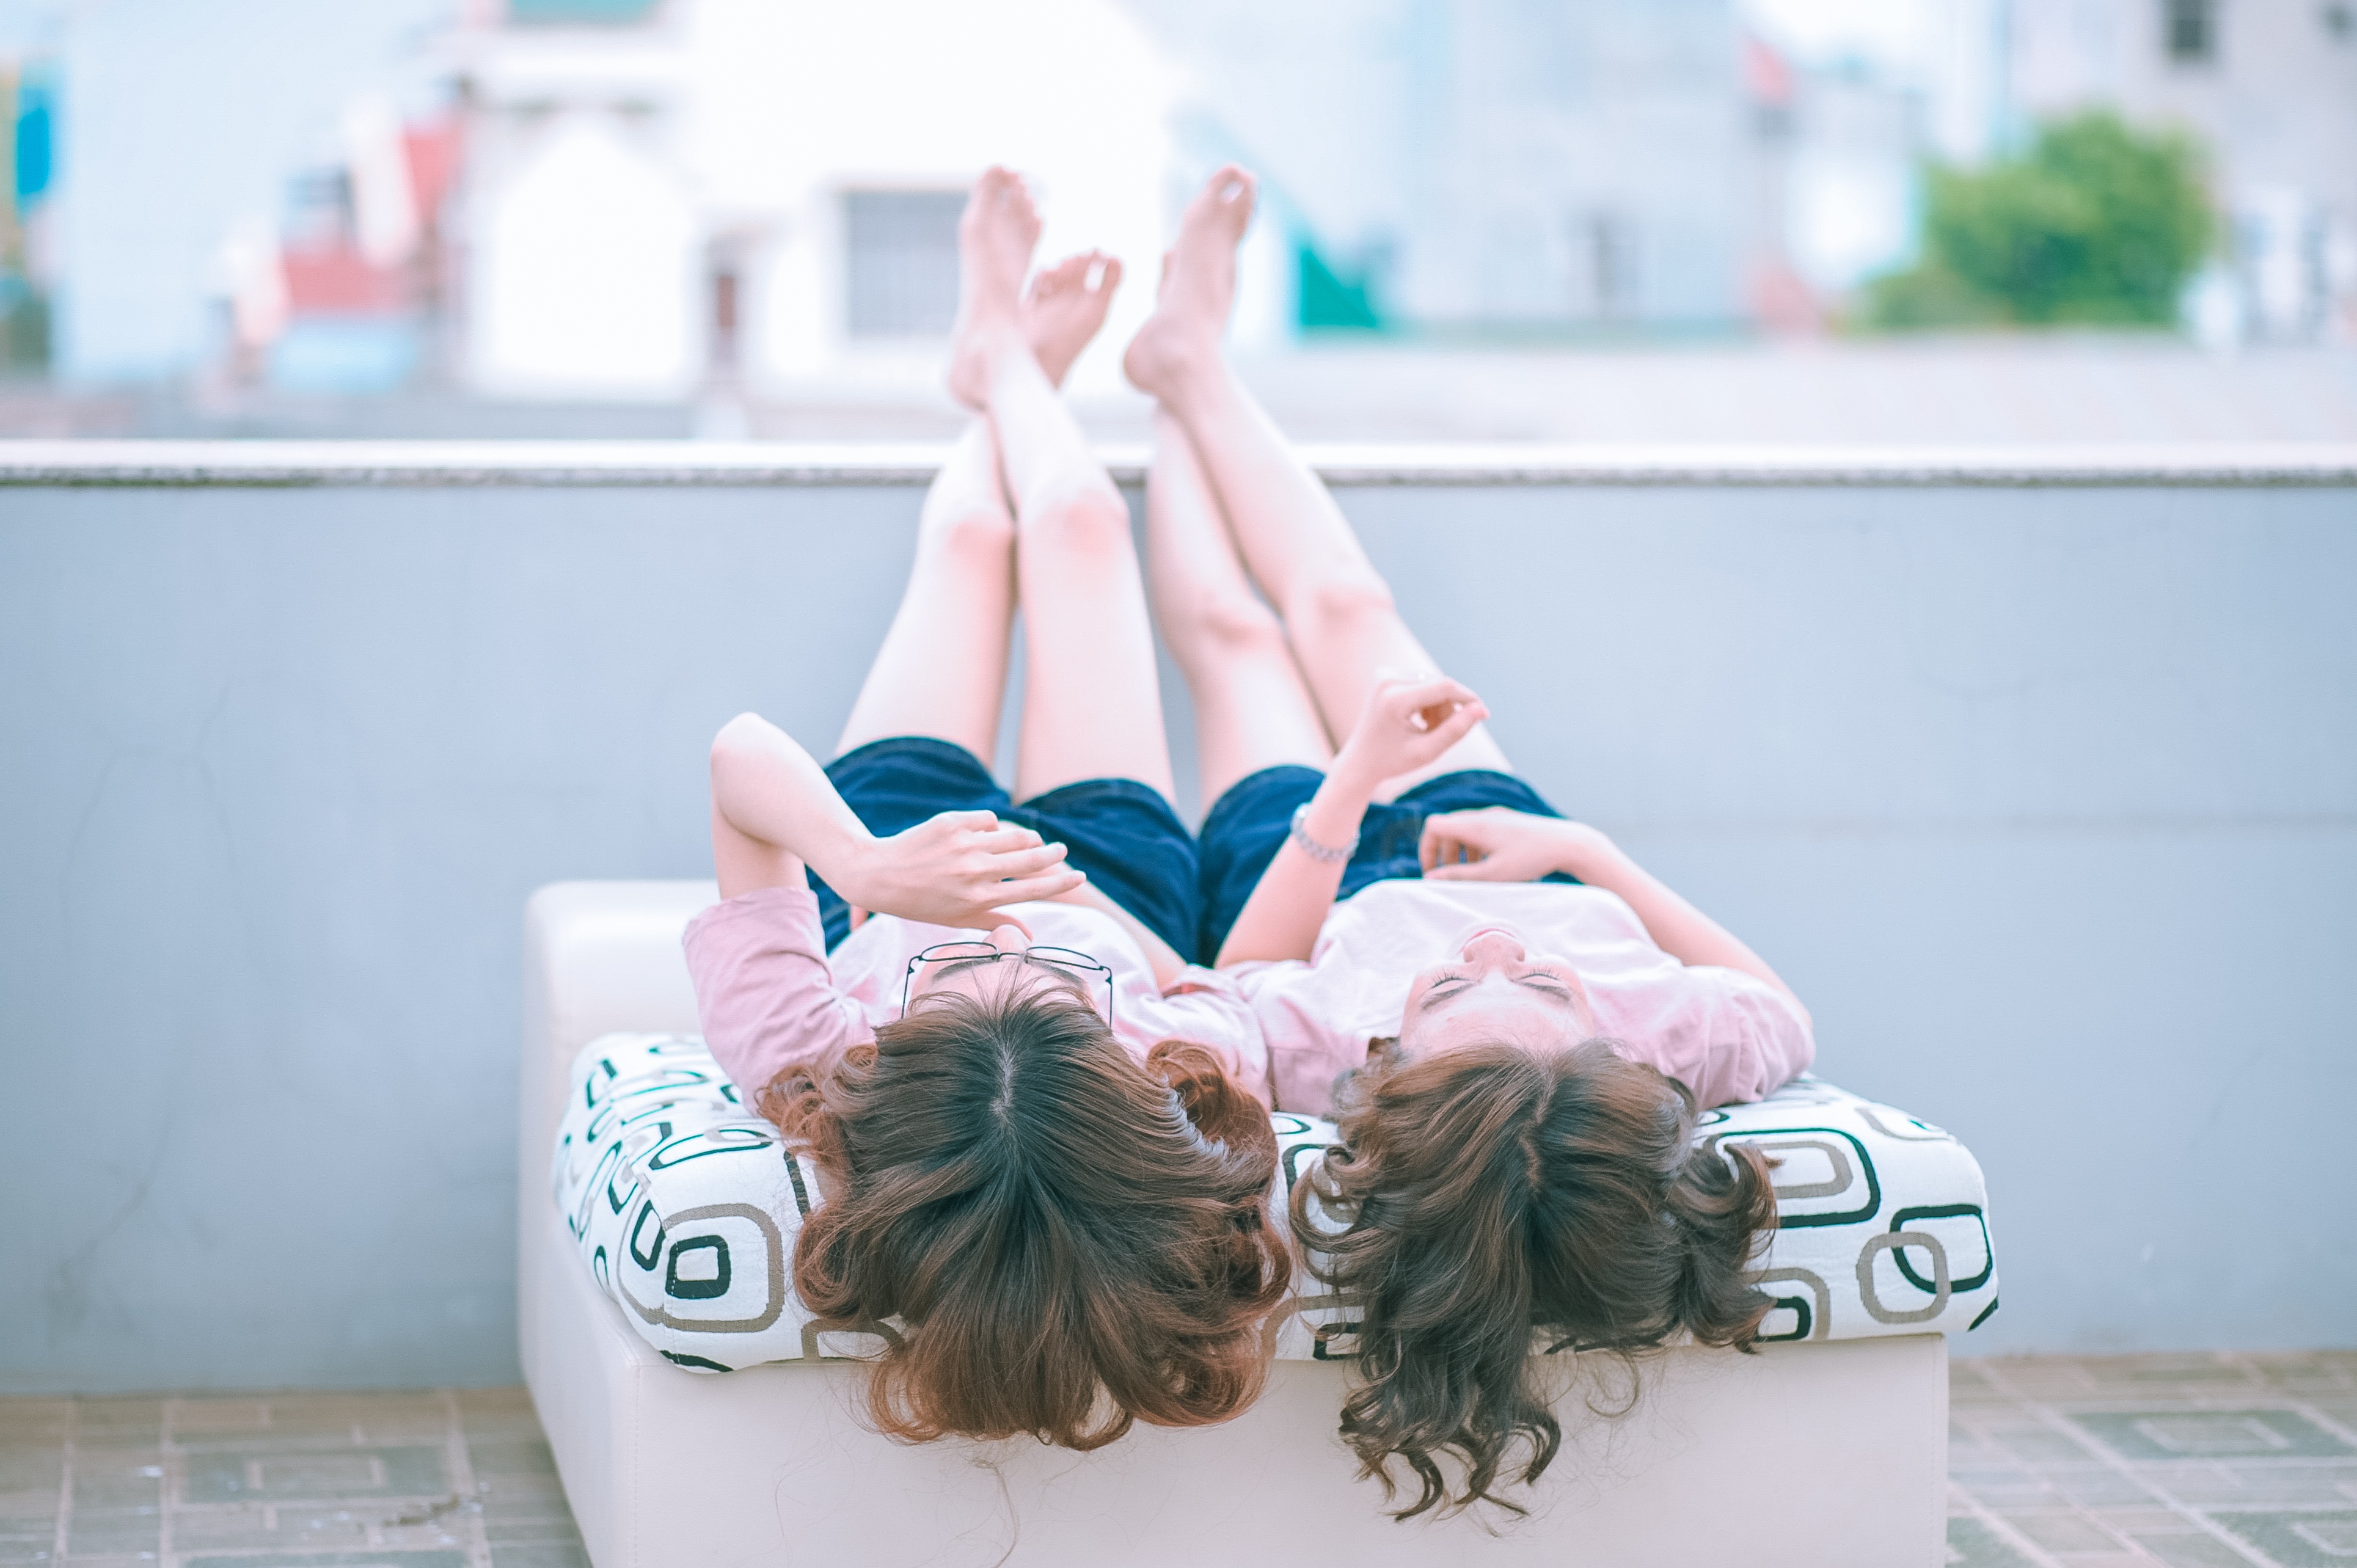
(972, 533)
(741, 738)
(1086, 515)
(1228, 626)
(1340, 604)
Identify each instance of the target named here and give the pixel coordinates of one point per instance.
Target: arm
(774, 810)
(1405, 727)
(1498, 845)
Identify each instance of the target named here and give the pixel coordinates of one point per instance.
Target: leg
(1252, 709)
(1338, 611)
(941, 670)
(1093, 706)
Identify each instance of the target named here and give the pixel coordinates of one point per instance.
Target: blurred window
(593, 11)
(1604, 265)
(2191, 27)
(902, 262)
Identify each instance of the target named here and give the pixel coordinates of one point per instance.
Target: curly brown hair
(1071, 1241)
(1489, 1194)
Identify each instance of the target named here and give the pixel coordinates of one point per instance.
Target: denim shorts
(1248, 825)
(1123, 833)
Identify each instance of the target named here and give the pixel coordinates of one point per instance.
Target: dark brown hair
(1070, 1240)
(1492, 1194)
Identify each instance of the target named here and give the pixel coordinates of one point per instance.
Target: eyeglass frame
(1079, 960)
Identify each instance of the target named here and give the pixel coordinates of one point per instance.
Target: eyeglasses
(1064, 960)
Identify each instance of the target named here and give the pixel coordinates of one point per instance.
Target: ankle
(1191, 385)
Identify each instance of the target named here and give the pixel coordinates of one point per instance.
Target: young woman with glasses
(1042, 1136)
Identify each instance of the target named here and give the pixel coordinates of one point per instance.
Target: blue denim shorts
(1247, 825)
(1123, 833)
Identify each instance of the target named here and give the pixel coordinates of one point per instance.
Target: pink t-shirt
(1723, 1034)
(771, 996)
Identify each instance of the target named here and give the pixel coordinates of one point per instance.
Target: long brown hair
(1071, 1241)
(1490, 1194)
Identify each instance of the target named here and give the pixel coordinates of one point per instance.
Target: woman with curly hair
(1522, 1019)
(1044, 1156)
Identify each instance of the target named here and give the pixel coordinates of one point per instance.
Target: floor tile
(331, 1559)
(2192, 1551)
(2059, 1531)
(2297, 1540)
(2044, 1446)
(1973, 1543)
(2250, 1433)
(2103, 1489)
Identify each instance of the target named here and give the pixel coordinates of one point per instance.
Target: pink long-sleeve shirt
(1723, 1034)
(771, 996)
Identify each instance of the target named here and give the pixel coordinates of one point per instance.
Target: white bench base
(1816, 1456)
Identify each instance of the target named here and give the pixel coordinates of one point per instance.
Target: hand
(953, 869)
(1497, 843)
(1406, 724)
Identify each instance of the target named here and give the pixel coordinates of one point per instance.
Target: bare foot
(1199, 286)
(994, 240)
(1065, 305)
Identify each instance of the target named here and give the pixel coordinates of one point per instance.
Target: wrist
(1349, 781)
(1582, 852)
(1334, 812)
(841, 853)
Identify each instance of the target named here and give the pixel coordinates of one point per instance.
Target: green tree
(2095, 223)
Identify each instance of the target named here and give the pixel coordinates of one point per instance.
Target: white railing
(618, 463)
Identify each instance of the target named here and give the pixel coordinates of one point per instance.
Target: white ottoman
(1818, 1453)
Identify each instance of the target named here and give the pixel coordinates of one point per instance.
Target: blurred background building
(737, 217)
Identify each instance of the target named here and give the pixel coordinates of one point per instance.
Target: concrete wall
(2044, 797)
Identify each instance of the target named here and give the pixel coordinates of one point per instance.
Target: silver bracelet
(1312, 848)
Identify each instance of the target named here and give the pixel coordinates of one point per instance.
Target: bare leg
(1093, 707)
(941, 670)
(1252, 709)
(1338, 613)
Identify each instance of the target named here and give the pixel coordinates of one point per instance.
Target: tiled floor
(2192, 1461)
(406, 1480)
(2057, 1462)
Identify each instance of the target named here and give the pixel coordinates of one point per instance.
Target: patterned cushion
(685, 1206)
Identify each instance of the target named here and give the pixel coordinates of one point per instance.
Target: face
(980, 977)
(1493, 991)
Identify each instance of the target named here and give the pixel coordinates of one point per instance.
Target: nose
(1486, 950)
(1010, 938)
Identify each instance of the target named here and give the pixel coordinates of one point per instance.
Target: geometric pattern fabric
(685, 1206)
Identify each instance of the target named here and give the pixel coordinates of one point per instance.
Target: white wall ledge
(453, 464)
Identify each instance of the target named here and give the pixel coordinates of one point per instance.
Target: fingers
(1470, 871)
(998, 840)
(1061, 880)
(971, 821)
(1026, 862)
(1428, 694)
(1426, 705)
(1452, 836)
(1438, 845)
(1457, 725)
